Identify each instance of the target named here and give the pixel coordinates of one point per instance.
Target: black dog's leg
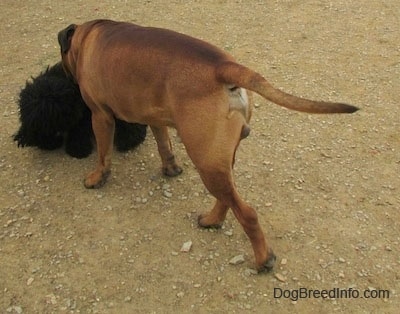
(78, 142)
(128, 135)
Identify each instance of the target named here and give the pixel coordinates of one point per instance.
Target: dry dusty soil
(326, 188)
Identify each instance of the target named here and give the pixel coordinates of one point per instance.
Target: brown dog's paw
(96, 179)
(172, 170)
(268, 265)
(205, 221)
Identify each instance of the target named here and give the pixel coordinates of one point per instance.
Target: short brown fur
(165, 79)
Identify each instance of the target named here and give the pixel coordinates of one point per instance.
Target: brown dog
(165, 79)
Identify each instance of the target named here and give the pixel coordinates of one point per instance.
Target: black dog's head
(49, 106)
(53, 113)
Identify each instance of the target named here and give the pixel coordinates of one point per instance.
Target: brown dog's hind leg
(222, 187)
(169, 165)
(215, 218)
(212, 146)
(247, 216)
(103, 127)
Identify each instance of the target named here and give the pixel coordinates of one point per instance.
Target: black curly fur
(52, 112)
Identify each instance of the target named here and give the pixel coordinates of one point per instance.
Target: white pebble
(14, 309)
(237, 260)
(167, 194)
(186, 246)
(229, 233)
(280, 277)
(250, 272)
(180, 294)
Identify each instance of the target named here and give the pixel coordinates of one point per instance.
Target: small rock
(283, 261)
(180, 294)
(14, 309)
(239, 259)
(167, 194)
(166, 186)
(186, 246)
(51, 299)
(250, 272)
(29, 281)
(280, 277)
(9, 223)
(229, 233)
(71, 304)
(342, 260)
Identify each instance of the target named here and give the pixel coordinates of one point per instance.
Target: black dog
(52, 112)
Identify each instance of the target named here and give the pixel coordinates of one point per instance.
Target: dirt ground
(326, 188)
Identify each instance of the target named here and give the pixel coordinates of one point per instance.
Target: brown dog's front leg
(169, 166)
(103, 128)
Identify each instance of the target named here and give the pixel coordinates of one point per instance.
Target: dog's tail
(241, 76)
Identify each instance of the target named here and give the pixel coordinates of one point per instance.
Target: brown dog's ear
(64, 37)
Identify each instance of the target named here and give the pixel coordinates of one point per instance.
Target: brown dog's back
(178, 58)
